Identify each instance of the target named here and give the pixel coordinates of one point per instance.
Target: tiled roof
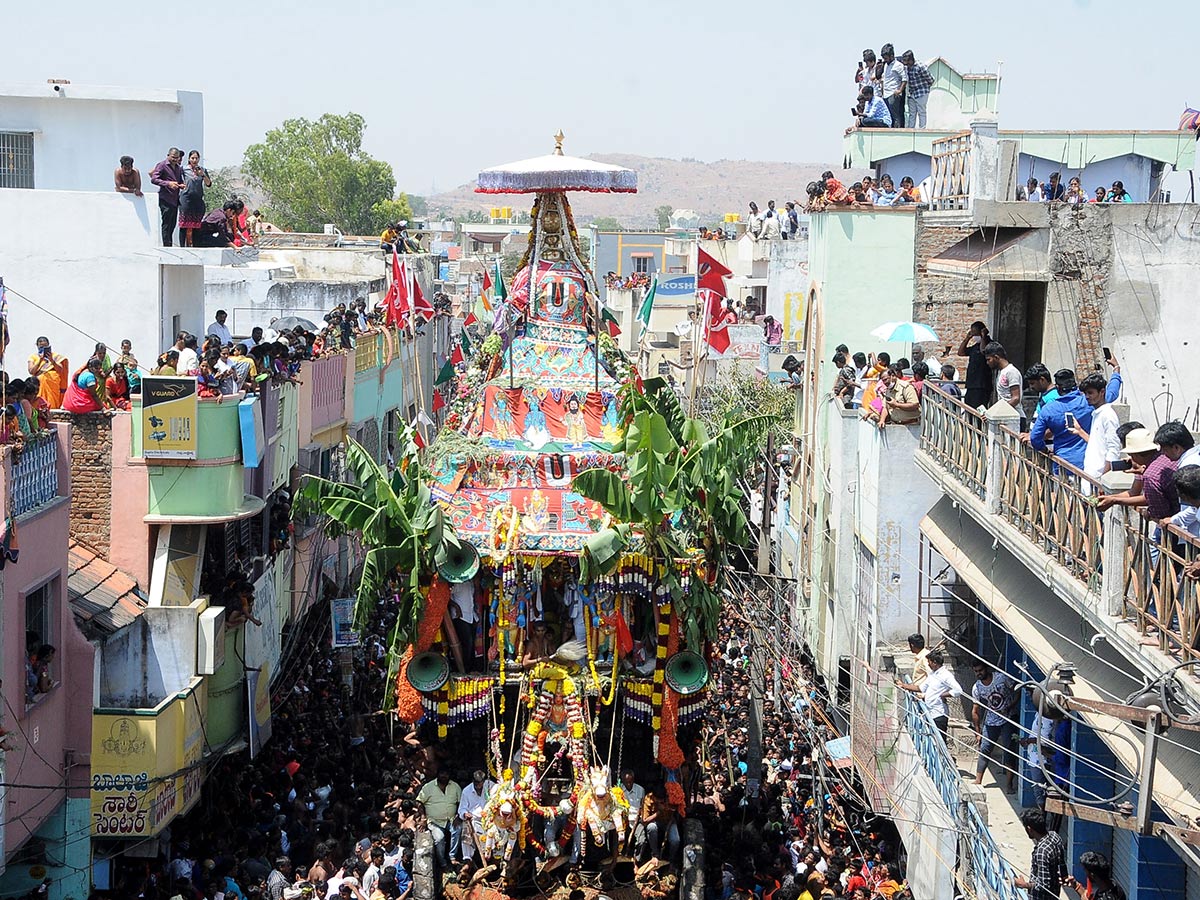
(103, 598)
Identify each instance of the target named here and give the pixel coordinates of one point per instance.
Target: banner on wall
(169, 411)
(341, 611)
(258, 702)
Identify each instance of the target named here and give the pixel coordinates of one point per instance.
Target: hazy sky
(448, 88)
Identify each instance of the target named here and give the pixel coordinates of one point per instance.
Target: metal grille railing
(16, 159)
(35, 475)
(955, 436)
(1053, 504)
(1159, 598)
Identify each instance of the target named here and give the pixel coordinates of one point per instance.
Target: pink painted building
(44, 817)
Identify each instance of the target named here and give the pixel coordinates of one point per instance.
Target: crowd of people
(1052, 190)
(773, 224)
(792, 829)
(633, 280)
(182, 203)
(893, 92)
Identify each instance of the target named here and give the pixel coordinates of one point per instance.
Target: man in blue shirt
(875, 113)
(1059, 417)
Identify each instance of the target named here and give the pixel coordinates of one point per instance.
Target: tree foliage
(316, 172)
(678, 493)
(397, 210)
(664, 216)
(607, 223)
(741, 392)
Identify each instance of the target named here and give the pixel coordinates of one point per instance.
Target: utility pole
(764, 537)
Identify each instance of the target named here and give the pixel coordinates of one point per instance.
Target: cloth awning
(838, 751)
(1019, 601)
(493, 239)
(997, 254)
(642, 255)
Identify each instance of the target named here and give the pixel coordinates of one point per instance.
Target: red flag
(395, 302)
(716, 323)
(457, 356)
(421, 306)
(469, 320)
(711, 274)
(439, 402)
(416, 436)
(487, 281)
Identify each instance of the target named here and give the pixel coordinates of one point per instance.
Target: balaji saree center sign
(169, 410)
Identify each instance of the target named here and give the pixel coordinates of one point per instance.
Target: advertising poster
(342, 611)
(169, 409)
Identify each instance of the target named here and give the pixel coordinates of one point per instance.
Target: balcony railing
(366, 352)
(1159, 599)
(328, 390)
(1051, 506)
(986, 870)
(1054, 505)
(35, 475)
(955, 436)
(951, 187)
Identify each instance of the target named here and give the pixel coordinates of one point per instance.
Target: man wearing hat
(440, 799)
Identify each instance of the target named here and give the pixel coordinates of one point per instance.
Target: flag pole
(596, 339)
(412, 316)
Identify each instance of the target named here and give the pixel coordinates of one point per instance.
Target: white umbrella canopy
(556, 172)
(904, 333)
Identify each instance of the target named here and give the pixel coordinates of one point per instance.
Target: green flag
(500, 292)
(643, 315)
(465, 342)
(446, 374)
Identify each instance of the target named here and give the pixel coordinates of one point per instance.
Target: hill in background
(711, 189)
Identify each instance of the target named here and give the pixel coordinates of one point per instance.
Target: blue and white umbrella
(904, 333)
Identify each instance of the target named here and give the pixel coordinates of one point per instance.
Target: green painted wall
(198, 490)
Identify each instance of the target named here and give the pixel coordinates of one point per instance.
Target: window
(16, 159)
(39, 640)
(641, 264)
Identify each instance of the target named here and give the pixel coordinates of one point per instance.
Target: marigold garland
(408, 698)
(669, 753)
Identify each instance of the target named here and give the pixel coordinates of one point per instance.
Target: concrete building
(955, 529)
(628, 253)
(44, 809)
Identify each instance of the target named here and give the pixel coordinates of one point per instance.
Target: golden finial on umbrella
(558, 139)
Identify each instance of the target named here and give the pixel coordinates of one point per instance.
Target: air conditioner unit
(331, 229)
(210, 641)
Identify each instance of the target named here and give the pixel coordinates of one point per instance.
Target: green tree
(607, 223)
(386, 211)
(664, 216)
(316, 172)
(225, 186)
(419, 205)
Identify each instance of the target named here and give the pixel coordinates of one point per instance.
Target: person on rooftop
(870, 71)
(85, 392)
(875, 113)
(127, 179)
(1101, 195)
(917, 84)
(887, 192)
(191, 199)
(1103, 445)
(219, 329)
(1075, 195)
(1053, 190)
(1031, 192)
(1118, 194)
(116, 387)
(52, 372)
(217, 227)
(168, 176)
(1059, 417)
(893, 85)
(835, 191)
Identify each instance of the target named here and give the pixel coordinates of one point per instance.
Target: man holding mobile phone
(1052, 417)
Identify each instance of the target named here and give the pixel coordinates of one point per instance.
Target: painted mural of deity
(610, 424)
(575, 422)
(536, 433)
(503, 427)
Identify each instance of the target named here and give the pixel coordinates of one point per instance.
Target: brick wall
(947, 305)
(1081, 251)
(91, 478)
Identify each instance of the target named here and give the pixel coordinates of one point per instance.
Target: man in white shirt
(1103, 444)
(470, 809)
(635, 794)
(938, 687)
(1008, 376)
(189, 361)
(218, 328)
(895, 74)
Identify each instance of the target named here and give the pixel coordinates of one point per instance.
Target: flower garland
(663, 628)
(408, 699)
(670, 755)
